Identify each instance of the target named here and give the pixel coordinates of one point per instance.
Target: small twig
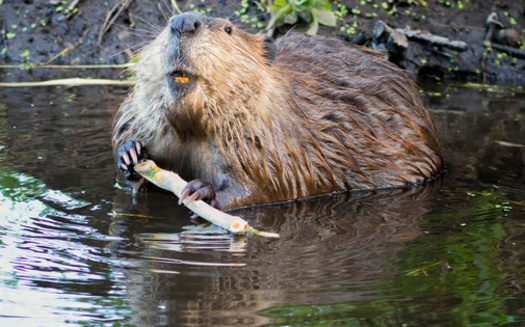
(112, 16)
(68, 81)
(518, 53)
(484, 69)
(4, 38)
(173, 182)
(492, 23)
(460, 26)
(72, 6)
(271, 31)
(423, 270)
(175, 6)
(115, 214)
(434, 39)
(66, 50)
(510, 144)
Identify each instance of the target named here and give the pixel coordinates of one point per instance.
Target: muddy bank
(78, 32)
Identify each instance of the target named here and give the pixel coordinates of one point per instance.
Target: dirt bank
(73, 32)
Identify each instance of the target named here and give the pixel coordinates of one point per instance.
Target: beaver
(249, 120)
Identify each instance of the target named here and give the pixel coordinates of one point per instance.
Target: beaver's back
(349, 95)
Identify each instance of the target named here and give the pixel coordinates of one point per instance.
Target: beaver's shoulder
(330, 59)
(340, 71)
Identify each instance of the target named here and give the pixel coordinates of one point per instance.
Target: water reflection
(55, 268)
(53, 263)
(422, 256)
(482, 135)
(339, 248)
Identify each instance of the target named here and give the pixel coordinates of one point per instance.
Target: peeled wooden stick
(171, 181)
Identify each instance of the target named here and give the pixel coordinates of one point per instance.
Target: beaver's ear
(269, 49)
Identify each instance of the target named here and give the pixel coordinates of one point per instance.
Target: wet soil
(38, 31)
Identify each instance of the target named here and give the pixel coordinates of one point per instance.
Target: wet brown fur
(324, 116)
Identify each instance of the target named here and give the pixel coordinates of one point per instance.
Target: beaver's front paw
(198, 190)
(129, 154)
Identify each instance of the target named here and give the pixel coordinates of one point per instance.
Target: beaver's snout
(186, 24)
(182, 27)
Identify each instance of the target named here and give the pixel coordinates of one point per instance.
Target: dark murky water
(452, 252)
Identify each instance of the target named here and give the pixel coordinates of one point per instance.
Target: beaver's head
(198, 64)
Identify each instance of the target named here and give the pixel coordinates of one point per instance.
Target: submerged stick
(171, 181)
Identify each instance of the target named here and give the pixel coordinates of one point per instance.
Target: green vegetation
(63, 7)
(314, 12)
(349, 29)
(341, 12)
(25, 54)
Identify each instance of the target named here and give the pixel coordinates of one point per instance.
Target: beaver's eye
(228, 29)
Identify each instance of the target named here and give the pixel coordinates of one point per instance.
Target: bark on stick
(171, 181)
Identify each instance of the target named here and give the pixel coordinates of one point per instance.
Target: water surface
(450, 252)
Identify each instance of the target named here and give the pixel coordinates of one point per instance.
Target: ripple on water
(55, 266)
(204, 246)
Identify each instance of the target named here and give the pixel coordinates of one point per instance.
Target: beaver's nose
(186, 23)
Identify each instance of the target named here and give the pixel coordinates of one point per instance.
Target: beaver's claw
(129, 154)
(198, 190)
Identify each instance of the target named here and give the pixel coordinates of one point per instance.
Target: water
(449, 253)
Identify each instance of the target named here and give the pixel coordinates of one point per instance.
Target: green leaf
(291, 18)
(283, 11)
(327, 6)
(317, 4)
(277, 15)
(314, 27)
(278, 4)
(326, 18)
(25, 54)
